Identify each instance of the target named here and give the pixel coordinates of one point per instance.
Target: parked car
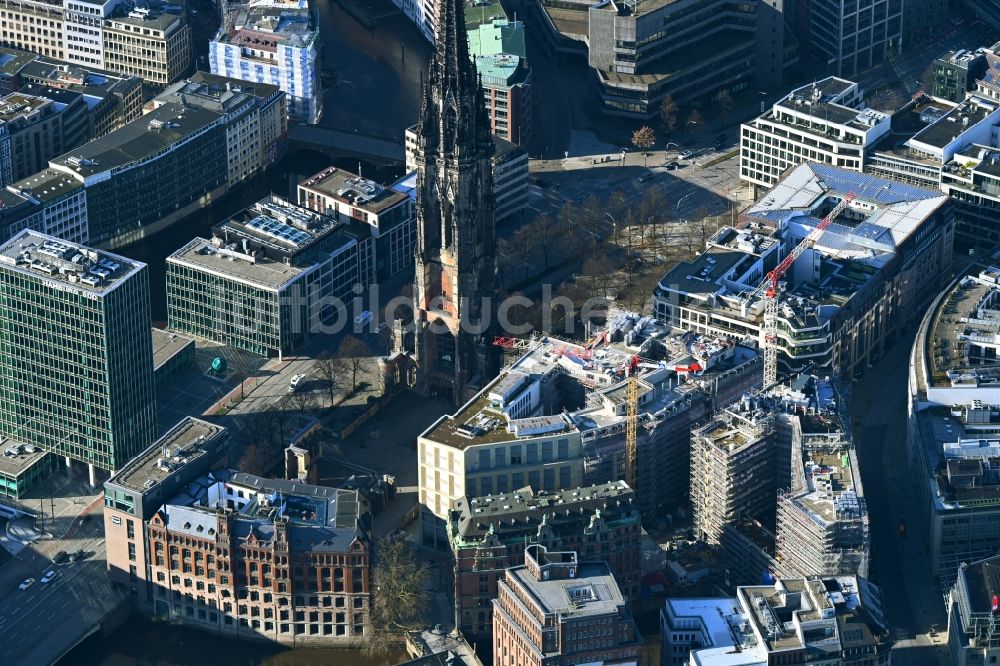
(59, 557)
(296, 382)
(49, 575)
(673, 166)
(26, 583)
(687, 153)
(78, 555)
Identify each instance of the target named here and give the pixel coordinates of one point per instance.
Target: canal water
(141, 642)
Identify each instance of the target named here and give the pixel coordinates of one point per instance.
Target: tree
(542, 234)
(331, 370)
(643, 139)
(302, 400)
(399, 599)
(253, 460)
(355, 354)
(668, 112)
(599, 270)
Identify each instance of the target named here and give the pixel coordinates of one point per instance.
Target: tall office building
(455, 287)
(852, 36)
(76, 372)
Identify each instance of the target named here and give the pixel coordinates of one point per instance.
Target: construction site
(562, 415)
(826, 270)
(775, 485)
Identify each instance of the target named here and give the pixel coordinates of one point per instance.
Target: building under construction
(822, 521)
(736, 464)
(563, 406)
(775, 485)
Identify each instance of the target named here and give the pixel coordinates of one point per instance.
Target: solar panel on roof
(279, 230)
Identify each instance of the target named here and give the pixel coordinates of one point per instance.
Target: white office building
(274, 42)
(825, 122)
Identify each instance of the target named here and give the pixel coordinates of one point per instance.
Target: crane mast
(631, 421)
(771, 289)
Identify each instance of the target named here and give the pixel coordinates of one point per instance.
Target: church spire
(453, 82)
(455, 282)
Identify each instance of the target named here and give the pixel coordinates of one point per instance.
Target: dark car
(78, 555)
(646, 177)
(673, 166)
(59, 557)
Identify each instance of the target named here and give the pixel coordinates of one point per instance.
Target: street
(67, 608)
(911, 598)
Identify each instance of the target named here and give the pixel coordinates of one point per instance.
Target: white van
(296, 382)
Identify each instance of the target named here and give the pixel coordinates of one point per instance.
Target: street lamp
(689, 123)
(763, 100)
(681, 200)
(671, 143)
(614, 222)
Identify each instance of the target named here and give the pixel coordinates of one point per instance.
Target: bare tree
(643, 139)
(356, 355)
(399, 600)
(599, 271)
(668, 112)
(331, 370)
(253, 460)
(302, 401)
(543, 234)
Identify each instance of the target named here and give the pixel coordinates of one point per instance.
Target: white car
(296, 382)
(28, 582)
(49, 575)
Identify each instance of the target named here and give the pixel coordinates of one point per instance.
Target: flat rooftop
(955, 122)
(982, 582)
(476, 515)
(16, 457)
(181, 444)
(353, 190)
(267, 244)
(46, 185)
(141, 139)
(65, 264)
(594, 591)
(13, 61)
(722, 617)
(19, 104)
(967, 314)
(833, 493)
(93, 82)
(729, 434)
(166, 345)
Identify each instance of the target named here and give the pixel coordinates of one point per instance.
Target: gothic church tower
(455, 283)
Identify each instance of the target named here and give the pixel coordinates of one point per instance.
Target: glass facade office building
(76, 363)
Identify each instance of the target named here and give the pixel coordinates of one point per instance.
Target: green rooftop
(496, 37)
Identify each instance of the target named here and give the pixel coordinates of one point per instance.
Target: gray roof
(160, 129)
(553, 596)
(195, 522)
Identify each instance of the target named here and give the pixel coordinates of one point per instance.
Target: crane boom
(771, 290)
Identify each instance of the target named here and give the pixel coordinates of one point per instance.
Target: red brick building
(555, 610)
(488, 536)
(264, 558)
